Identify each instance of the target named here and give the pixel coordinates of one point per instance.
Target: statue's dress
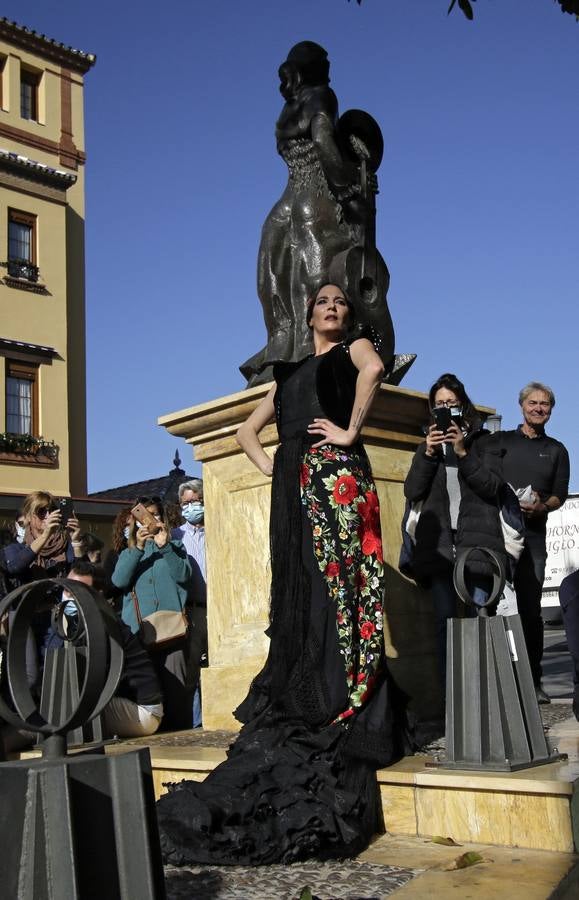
(300, 780)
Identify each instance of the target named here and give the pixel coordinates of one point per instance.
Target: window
(29, 82)
(21, 398)
(2, 87)
(22, 245)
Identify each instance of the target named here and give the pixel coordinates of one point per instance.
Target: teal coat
(160, 577)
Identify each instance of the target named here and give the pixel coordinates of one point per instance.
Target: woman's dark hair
(314, 295)
(91, 542)
(118, 540)
(470, 417)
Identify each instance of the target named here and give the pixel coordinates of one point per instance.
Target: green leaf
(446, 841)
(306, 894)
(464, 861)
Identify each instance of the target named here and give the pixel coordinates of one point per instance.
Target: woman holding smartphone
(154, 573)
(456, 478)
(48, 548)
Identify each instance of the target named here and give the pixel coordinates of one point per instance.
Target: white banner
(562, 545)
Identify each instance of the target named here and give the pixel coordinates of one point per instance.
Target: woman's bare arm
(370, 370)
(248, 434)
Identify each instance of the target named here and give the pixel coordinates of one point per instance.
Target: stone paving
(348, 880)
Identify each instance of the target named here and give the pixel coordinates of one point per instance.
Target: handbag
(162, 629)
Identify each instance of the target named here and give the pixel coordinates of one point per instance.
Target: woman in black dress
(300, 780)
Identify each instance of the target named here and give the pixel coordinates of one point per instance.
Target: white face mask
(20, 532)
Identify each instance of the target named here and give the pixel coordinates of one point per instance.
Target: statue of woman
(319, 219)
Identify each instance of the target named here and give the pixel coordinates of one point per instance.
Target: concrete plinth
(237, 499)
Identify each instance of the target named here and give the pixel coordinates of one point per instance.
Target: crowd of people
(324, 713)
(148, 569)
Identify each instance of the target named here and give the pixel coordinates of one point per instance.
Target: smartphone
(142, 515)
(442, 418)
(64, 504)
(456, 415)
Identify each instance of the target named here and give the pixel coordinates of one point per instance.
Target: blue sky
(477, 215)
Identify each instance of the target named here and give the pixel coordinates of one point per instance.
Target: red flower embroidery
(328, 454)
(339, 618)
(360, 579)
(369, 689)
(349, 560)
(304, 475)
(361, 677)
(369, 529)
(332, 570)
(367, 630)
(345, 489)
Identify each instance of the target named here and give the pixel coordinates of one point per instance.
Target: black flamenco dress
(300, 780)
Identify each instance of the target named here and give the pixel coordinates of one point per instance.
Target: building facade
(42, 286)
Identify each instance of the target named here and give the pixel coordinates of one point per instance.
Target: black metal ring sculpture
(104, 655)
(499, 577)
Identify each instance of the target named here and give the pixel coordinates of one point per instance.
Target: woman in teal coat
(155, 572)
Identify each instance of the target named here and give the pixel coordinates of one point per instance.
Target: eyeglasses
(448, 404)
(42, 512)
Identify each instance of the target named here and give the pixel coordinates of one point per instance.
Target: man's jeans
(528, 584)
(569, 598)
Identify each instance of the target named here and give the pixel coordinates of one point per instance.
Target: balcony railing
(22, 268)
(26, 449)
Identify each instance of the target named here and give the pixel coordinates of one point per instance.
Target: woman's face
(39, 515)
(444, 397)
(154, 510)
(330, 312)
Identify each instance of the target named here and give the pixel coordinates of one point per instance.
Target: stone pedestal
(237, 498)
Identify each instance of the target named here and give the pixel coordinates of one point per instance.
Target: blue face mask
(71, 609)
(126, 532)
(193, 512)
(20, 532)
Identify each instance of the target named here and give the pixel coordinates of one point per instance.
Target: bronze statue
(323, 226)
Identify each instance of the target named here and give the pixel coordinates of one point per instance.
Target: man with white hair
(537, 466)
(192, 533)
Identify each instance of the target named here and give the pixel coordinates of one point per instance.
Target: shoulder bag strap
(137, 607)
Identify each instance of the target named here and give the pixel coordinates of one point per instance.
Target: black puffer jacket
(480, 480)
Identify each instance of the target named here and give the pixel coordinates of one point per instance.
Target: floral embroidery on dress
(340, 498)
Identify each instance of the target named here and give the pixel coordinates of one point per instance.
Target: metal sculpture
(75, 826)
(323, 228)
(492, 716)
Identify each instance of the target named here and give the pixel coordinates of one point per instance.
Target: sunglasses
(43, 512)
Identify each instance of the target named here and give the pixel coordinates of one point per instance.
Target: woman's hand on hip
(331, 433)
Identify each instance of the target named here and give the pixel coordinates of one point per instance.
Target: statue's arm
(340, 172)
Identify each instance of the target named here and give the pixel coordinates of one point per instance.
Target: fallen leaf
(306, 894)
(464, 861)
(446, 841)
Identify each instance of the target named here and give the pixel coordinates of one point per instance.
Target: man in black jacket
(535, 461)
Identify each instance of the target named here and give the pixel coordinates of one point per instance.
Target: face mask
(20, 531)
(71, 608)
(126, 532)
(193, 512)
